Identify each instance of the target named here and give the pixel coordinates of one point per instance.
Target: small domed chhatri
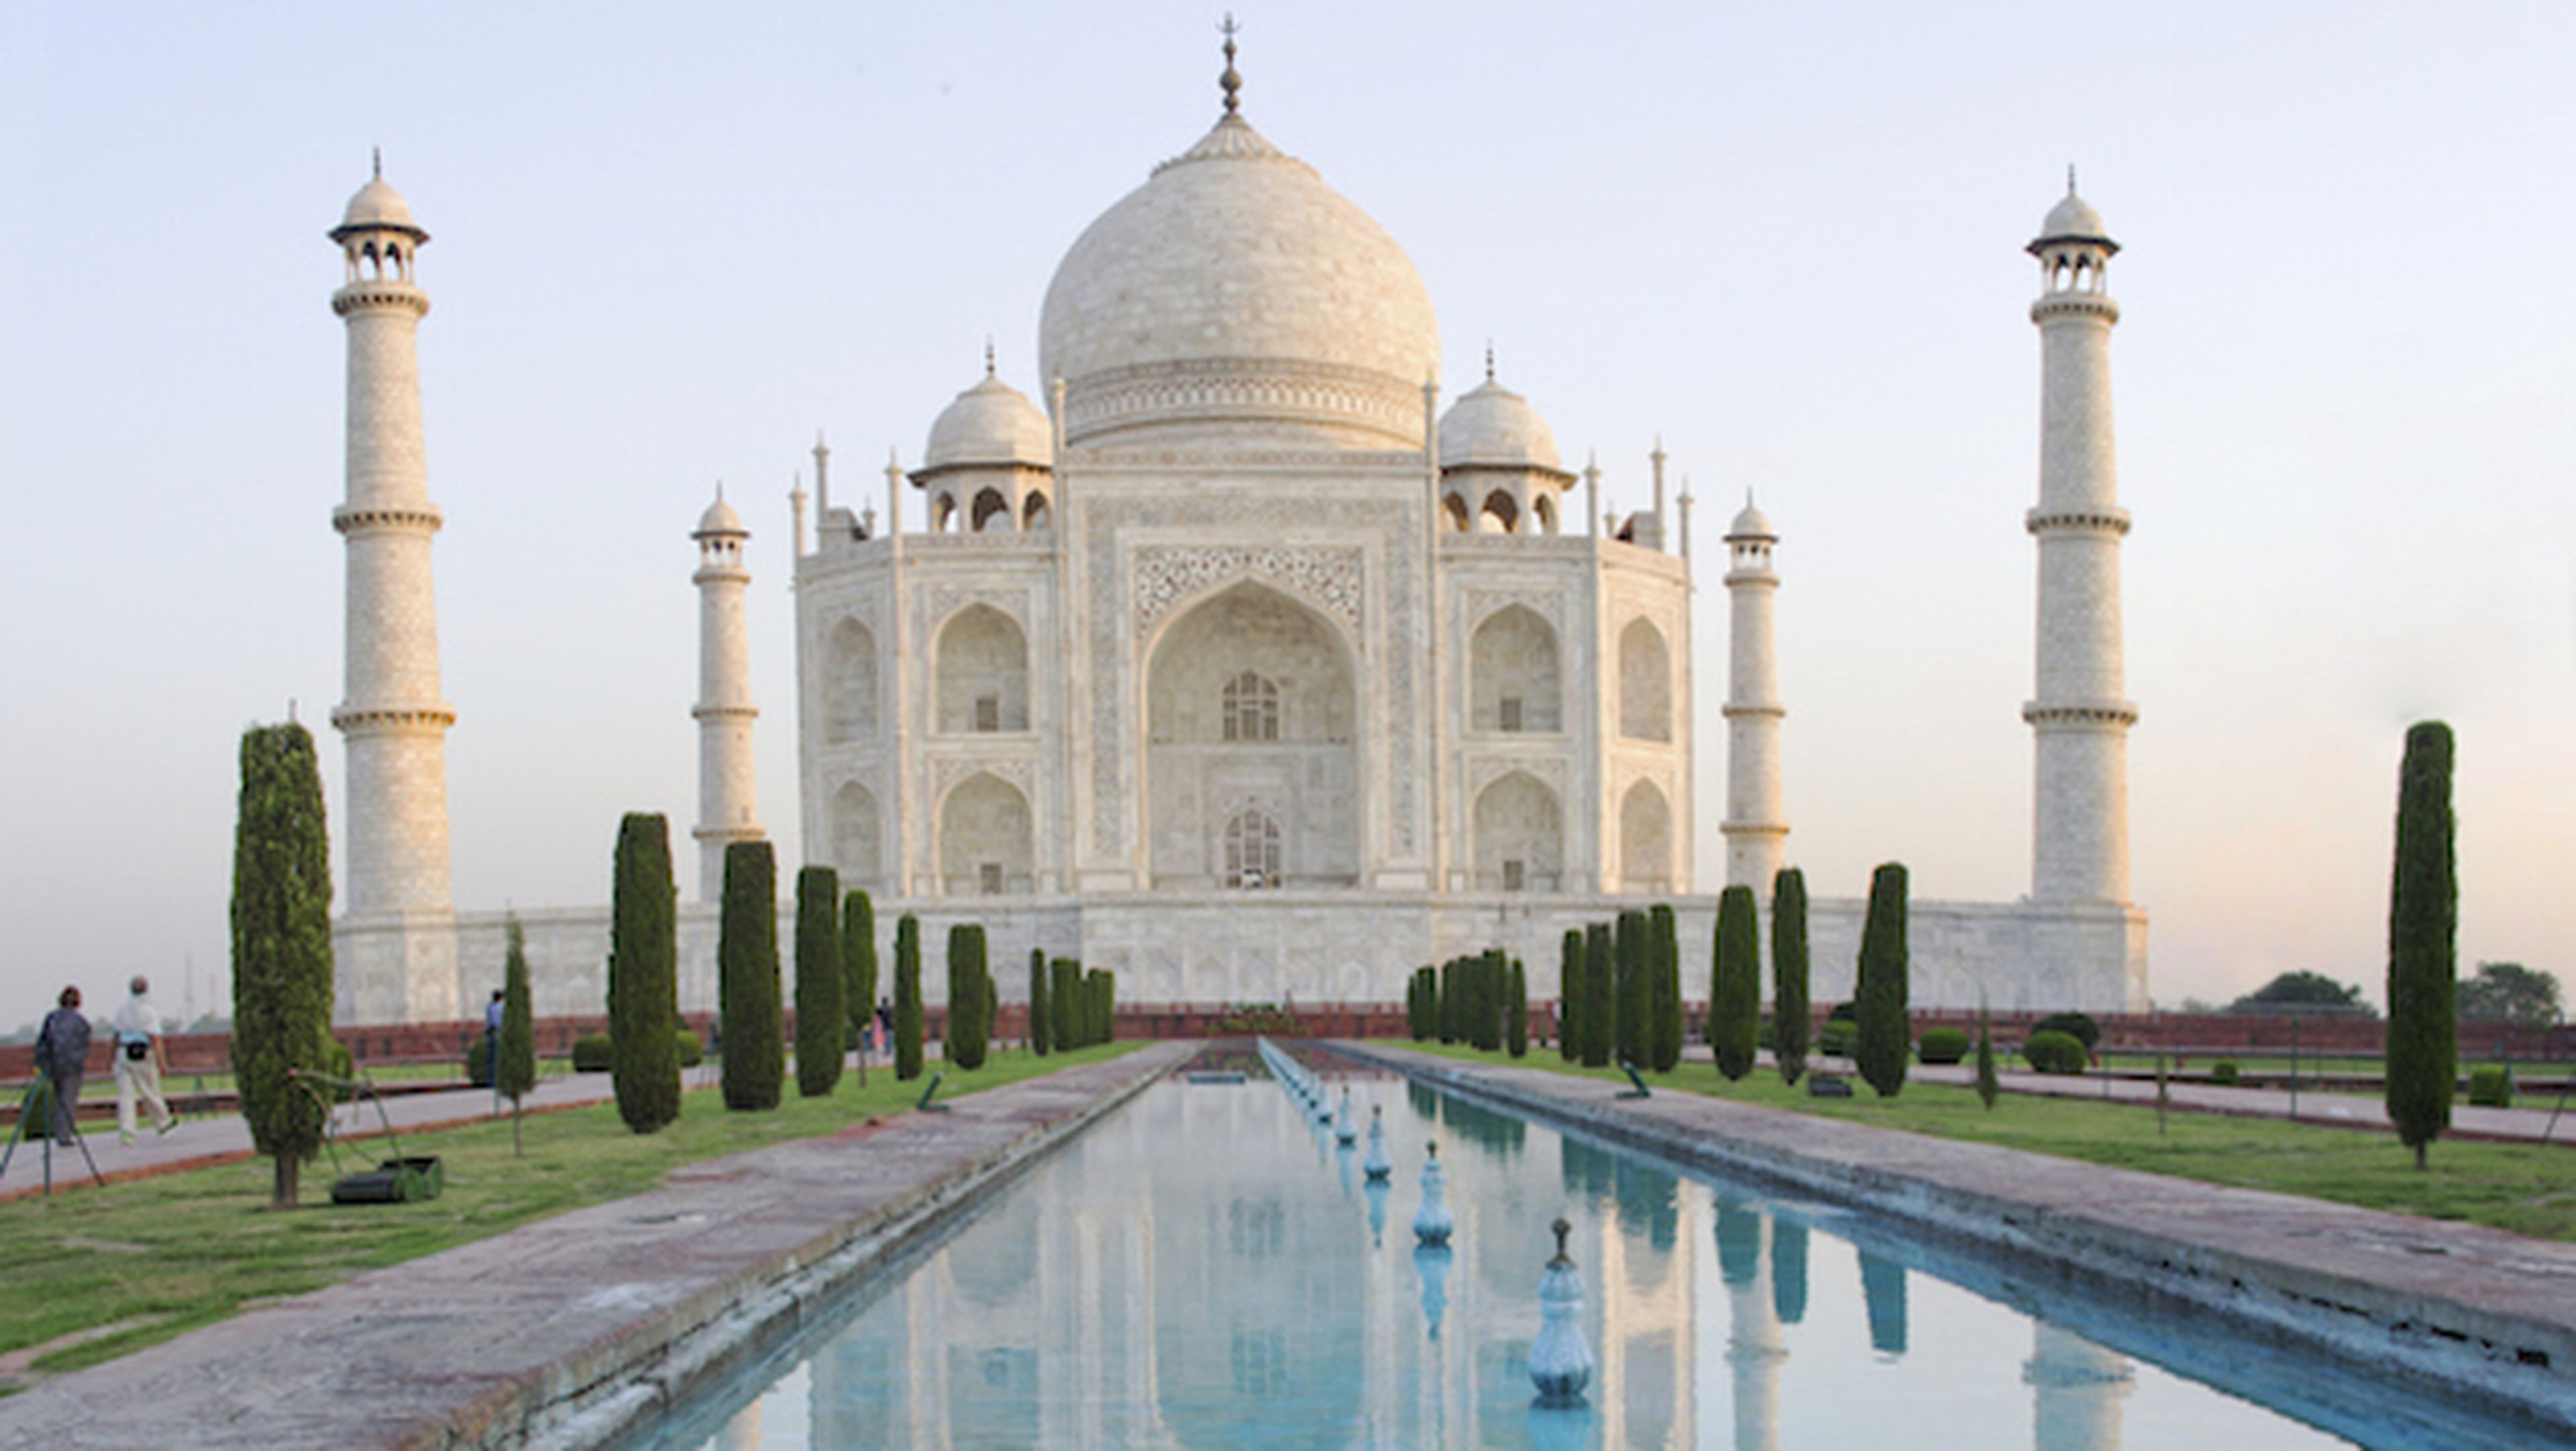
(720, 518)
(991, 424)
(1492, 425)
(2073, 219)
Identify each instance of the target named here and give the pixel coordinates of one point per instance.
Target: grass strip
(2528, 1189)
(162, 1256)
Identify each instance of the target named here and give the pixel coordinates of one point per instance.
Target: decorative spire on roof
(1489, 360)
(1231, 80)
(2070, 178)
(988, 355)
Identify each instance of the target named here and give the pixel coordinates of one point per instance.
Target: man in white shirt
(139, 1063)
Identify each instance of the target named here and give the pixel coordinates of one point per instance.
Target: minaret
(2076, 1391)
(396, 937)
(727, 804)
(1756, 828)
(2079, 714)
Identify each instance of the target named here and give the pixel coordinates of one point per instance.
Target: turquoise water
(1207, 1268)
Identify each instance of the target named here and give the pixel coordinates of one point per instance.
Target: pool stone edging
(2456, 1309)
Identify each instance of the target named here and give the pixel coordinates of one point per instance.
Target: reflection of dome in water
(1234, 285)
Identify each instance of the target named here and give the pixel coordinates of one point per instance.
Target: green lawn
(137, 1263)
(2526, 1188)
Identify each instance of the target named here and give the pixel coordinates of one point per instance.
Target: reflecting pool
(1208, 1268)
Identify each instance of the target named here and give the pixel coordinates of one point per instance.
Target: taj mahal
(1227, 656)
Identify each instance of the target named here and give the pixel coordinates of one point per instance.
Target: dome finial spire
(1231, 80)
(2070, 178)
(1489, 360)
(988, 355)
(376, 161)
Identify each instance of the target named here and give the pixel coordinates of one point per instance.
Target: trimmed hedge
(596, 1054)
(691, 1051)
(2055, 1052)
(2223, 1073)
(2079, 1026)
(1943, 1045)
(2491, 1086)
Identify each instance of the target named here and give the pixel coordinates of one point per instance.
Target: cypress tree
(1108, 1006)
(1668, 1031)
(2423, 922)
(515, 1075)
(1884, 1034)
(1039, 1040)
(1600, 995)
(755, 1044)
(1635, 1003)
(859, 968)
(822, 1022)
(1570, 990)
(907, 997)
(1516, 1012)
(968, 996)
(1989, 1085)
(643, 977)
(281, 931)
(1064, 1002)
(1735, 988)
(1789, 1006)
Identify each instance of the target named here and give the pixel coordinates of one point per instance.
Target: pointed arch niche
(1645, 683)
(858, 842)
(983, 668)
(1645, 840)
(850, 683)
(1520, 836)
(1251, 704)
(986, 840)
(1513, 680)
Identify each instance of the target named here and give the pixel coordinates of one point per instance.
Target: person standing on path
(493, 1012)
(62, 1056)
(139, 1063)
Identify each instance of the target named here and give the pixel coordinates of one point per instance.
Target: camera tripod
(71, 1116)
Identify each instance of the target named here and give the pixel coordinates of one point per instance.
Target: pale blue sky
(670, 243)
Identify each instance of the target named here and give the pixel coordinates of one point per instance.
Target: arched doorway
(1250, 717)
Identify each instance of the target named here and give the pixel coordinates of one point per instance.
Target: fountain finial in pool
(1344, 1131)
(1560, 1364)
(1377, 1166)
(1432, 1224)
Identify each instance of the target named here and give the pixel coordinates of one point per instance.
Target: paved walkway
(2337, 1110)
(567, 1330)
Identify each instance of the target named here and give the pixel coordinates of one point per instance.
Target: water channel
(1209, 1268)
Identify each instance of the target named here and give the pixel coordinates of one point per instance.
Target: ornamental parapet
(373, 294)
(2092, 714)
(421, 518)
(1733, 827)
(1752, 579)
(2059, 305)
(394, 718)
(723, 712)
(2088, 519)
(1733, 711)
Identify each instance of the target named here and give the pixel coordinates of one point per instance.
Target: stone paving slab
(567, 1331)
(2473, 1314)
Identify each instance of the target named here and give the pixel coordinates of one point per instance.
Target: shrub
(1601, 995)
(1989, 1083)
(517, 1068)
(2055, 1052)
(2491, 1086)
(478, 1063)
(1041, 1039)
(2223, 1073)
(1516, 1012)
(341, 1064)
(1837, 1038)
(1943, 1045)
(686, 1045)
(643, 976)
(1064, 1002)
(596, 1054)
(2078, 1026)
(1665, 1031)
(858, 964)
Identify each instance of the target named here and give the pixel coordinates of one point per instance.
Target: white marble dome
(1751, 523)
(2073, 216)
(378, 205)
(1235, 285)
(1491, 426)
(991, 424)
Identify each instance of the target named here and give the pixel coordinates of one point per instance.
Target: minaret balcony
(2083, 519)
(2061, 305)
(394, 717)
(421, 518)
(380, 292)
(2081, 714)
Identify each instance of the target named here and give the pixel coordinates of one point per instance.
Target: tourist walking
(62, 1056)
(139, 1062)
